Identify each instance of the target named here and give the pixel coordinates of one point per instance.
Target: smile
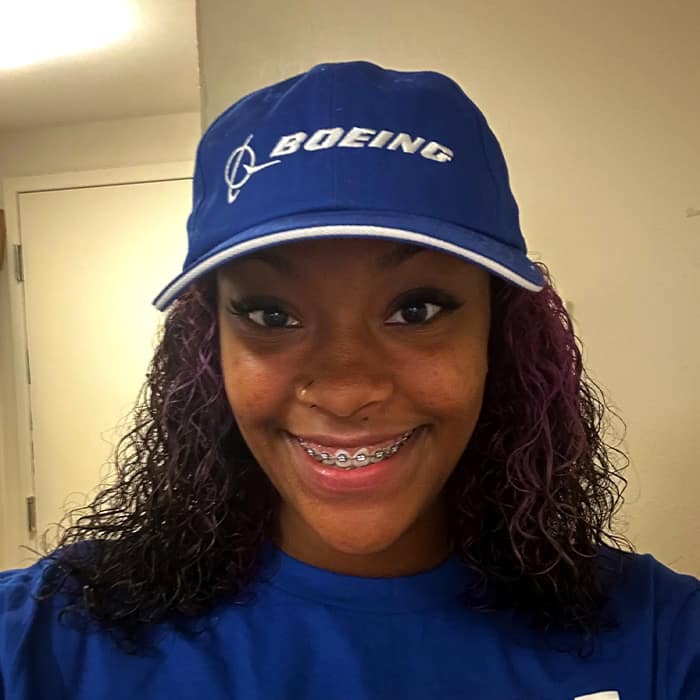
(362, 457)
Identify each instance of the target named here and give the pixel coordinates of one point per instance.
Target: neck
(425, 545)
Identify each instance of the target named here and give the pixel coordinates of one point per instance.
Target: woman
(366, 463)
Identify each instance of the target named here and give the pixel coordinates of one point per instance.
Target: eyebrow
(392, 259)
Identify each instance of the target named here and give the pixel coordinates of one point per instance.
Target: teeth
(361, 458)
(377, 456)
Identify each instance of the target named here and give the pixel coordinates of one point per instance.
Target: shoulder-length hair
(181, 525)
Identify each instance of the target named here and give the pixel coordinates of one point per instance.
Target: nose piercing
(303, 391)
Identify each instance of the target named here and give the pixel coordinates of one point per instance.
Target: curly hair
(182, 524)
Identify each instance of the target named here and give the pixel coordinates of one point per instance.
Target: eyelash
(245, 307)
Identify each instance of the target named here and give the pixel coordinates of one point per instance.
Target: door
(94, 258)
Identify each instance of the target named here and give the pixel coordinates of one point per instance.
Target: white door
(94, 258)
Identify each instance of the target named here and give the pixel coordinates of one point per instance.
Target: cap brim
(509, 263)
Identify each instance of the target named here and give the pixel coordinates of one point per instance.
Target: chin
(362, 532)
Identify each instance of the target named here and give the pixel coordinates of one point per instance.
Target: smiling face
(346, 338)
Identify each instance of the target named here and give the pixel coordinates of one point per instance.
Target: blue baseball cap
(352, 149)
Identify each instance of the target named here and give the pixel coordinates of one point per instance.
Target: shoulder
(20, 622)
(640, 584)
(30, 629)
(642, 579)
(18, 591)
(20, 588)
(637, 563)
(22, 591)
(653, 604)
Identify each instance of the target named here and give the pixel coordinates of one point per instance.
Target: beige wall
(88, 146)
(94, 145)
(596, 107)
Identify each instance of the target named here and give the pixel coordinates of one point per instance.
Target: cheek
(451, 383)
(255, 386)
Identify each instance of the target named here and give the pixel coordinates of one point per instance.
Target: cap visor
(505, 261)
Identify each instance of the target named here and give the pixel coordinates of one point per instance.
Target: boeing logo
(234, 162)
(356, 137)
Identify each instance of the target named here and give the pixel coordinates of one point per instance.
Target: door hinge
(19, 263)
(29, 371)
(31, 514)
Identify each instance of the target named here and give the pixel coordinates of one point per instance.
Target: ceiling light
(36, 31)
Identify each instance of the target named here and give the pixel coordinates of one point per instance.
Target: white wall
(88, 146)
(596, 106)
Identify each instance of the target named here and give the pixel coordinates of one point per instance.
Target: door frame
(16, 453)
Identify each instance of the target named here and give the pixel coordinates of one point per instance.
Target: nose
(344, 375)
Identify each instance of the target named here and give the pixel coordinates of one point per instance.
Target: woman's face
(356, 339)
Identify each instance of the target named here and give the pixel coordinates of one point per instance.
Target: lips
(388, 475)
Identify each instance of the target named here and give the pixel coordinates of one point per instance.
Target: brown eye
(271, 318)
(420, 306)
(416, 313)
(263, 316)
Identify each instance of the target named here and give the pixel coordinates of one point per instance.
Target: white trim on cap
(164, 299)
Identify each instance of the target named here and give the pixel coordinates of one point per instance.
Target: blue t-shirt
(312, 634)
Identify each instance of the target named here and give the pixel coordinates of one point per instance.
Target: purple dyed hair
(182, 525)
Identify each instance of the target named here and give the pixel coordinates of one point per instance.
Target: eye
(264, 316)
(415, 308)
(417, 313)
(420, 306)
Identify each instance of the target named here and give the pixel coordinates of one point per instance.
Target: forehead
(340, 252)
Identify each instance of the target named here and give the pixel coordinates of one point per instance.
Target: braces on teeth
(361, 458)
